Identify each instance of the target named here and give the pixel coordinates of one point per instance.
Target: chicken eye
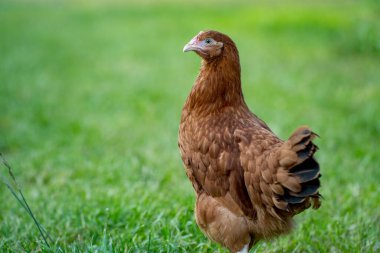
(208, 41)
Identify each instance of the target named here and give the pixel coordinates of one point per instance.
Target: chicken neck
(217, 86)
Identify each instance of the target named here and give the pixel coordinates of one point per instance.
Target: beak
(192, 45)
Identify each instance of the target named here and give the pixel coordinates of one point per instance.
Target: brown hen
(249, 183)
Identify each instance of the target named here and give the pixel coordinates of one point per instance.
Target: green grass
(91, 96)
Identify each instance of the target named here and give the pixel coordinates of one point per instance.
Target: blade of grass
(23, 201)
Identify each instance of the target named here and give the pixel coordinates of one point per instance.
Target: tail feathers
(293, 200)
(299, 172)
(308, 189)
(306, 171)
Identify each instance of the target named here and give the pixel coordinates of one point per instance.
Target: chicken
(249, 183)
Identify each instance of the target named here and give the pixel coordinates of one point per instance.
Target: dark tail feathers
(297, 159)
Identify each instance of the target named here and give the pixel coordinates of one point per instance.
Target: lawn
(91, 96)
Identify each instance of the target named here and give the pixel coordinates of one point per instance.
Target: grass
(91, 95)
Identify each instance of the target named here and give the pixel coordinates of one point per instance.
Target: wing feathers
(292, 183)
(285, 177)
(277, 189)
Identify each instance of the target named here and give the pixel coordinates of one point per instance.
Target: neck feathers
(218, 84)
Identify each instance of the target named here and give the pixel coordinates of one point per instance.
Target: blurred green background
(91, 96)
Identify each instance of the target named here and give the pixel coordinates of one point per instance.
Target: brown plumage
(249, 183)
